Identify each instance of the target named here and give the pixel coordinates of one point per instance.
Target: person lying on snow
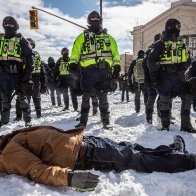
(51, 156)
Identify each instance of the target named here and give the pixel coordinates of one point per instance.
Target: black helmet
(64, 50)
(31, 42)
(190, 77)
(9, 21)
(172, 26)
(157, 37)
(140, 53)
(94, 15)
(50, 59)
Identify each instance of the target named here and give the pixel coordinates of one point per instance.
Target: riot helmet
(173, 26)
(95, 21)
(157, 37)
(10, 26)
(31, 42)
(51, 60)
(140, 54)
(65, 53)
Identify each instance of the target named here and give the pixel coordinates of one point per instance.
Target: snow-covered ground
(128, 126)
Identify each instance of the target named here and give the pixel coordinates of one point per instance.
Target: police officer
(50, 72)
(65, 79)
(124, 87)
(152, 93)
(15, 52)
(39, 84)
(98, 55)
(136, 80)
(167, 63)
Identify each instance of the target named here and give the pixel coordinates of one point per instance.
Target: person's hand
(43, 89)
(82, 180)
(131, 88)
(116, 72)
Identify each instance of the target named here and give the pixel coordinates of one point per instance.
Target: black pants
(105, 154)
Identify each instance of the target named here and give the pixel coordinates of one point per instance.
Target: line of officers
(160, 74)
(92, 70)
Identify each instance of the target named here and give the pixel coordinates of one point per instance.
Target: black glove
(25, 76)
(43, 89)
(82, 180)
(131, 88)
(26, 88)
(73, 67)
(116, 72)
(112, 85)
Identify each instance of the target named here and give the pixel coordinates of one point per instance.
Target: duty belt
(9, 58)
(170, 68)
(9, 69)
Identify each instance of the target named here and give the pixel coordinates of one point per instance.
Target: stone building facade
(184, 11)
(125, 60)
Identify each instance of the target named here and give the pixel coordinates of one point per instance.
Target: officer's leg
(185, 113)
(37, 99)
(85, 106)
(52, 96)
(95, 104)
(65, 98)
(18, 110)
(74, 99)
(152, 94)
(194, 104)
(145, 94)
(123, 94)
(6, 106)
(137, 97)
(127, 93)
(58, 94)
(25, 106)
(104, 107)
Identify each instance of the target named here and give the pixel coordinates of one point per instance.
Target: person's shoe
(149, 119)
(28, 124)
(163, 128)
(18, 118)
(108, 127)
(39, 115)
(80, 125)
(137, 111)
(179, 144)
(94, 111)
(65, 109)
(189, 129)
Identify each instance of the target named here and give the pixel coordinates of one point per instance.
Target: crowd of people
(164, 71)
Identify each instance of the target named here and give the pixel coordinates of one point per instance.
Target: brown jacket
(43, 154)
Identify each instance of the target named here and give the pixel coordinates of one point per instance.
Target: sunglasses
(9, 25)
(95, 18)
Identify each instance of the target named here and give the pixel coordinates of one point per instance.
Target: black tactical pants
(36, 96)
(103, 107)
(105, 154)
(8, 83)
(139, 87)
(74, 99)
(125, 89)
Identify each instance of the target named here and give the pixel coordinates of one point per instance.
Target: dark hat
(10, 21)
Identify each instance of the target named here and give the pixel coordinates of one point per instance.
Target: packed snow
(128, 126)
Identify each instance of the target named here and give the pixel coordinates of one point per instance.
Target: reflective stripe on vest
(63, 68)
(37, 60)
(95, 49)
(139, 71)
(10, 49)
(175, 52)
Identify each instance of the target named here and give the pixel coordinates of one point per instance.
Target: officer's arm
(130, 71)
(154, 58)
(56, 69)
(28, 55)
(115, 53)
(76, 50)
(43, 78)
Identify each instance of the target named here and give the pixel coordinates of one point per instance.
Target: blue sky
(75, 8)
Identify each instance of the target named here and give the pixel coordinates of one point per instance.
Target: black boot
(186, 124)
(38, 114)
(94, 111)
